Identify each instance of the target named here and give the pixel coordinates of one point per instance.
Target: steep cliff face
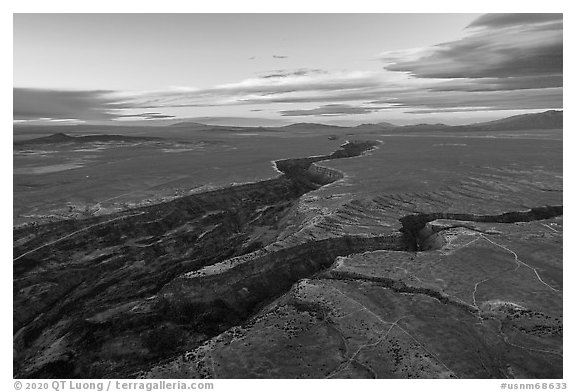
(482, 304)
(238, 287)
(232, 290)
(420, 235)
(80, 285)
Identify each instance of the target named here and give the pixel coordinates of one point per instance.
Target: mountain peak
(550, 119)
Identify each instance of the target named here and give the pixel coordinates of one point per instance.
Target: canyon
(319, 272)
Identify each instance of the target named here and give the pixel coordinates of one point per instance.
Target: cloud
(456, 101)
(330, 110)
(497, 54)
(298, 72)
(60, 104)
(239, 121)
(500, 84)
(505, 20)
(302, 85)
(500, 46)
(158, 116)
(502, 62)
(147, 115)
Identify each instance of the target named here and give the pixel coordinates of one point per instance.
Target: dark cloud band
(59, 104)
(505, 20)
(330, 110)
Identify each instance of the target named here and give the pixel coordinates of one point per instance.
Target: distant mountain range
(59, 138)
(551, 119)
(308, 127)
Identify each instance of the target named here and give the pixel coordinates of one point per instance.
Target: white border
(260, 6)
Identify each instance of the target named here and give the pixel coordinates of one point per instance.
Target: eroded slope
(84, 302)
(459, 275)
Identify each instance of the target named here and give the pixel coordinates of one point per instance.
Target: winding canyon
(291, 277)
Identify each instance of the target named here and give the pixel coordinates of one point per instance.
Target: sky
(266, 69)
